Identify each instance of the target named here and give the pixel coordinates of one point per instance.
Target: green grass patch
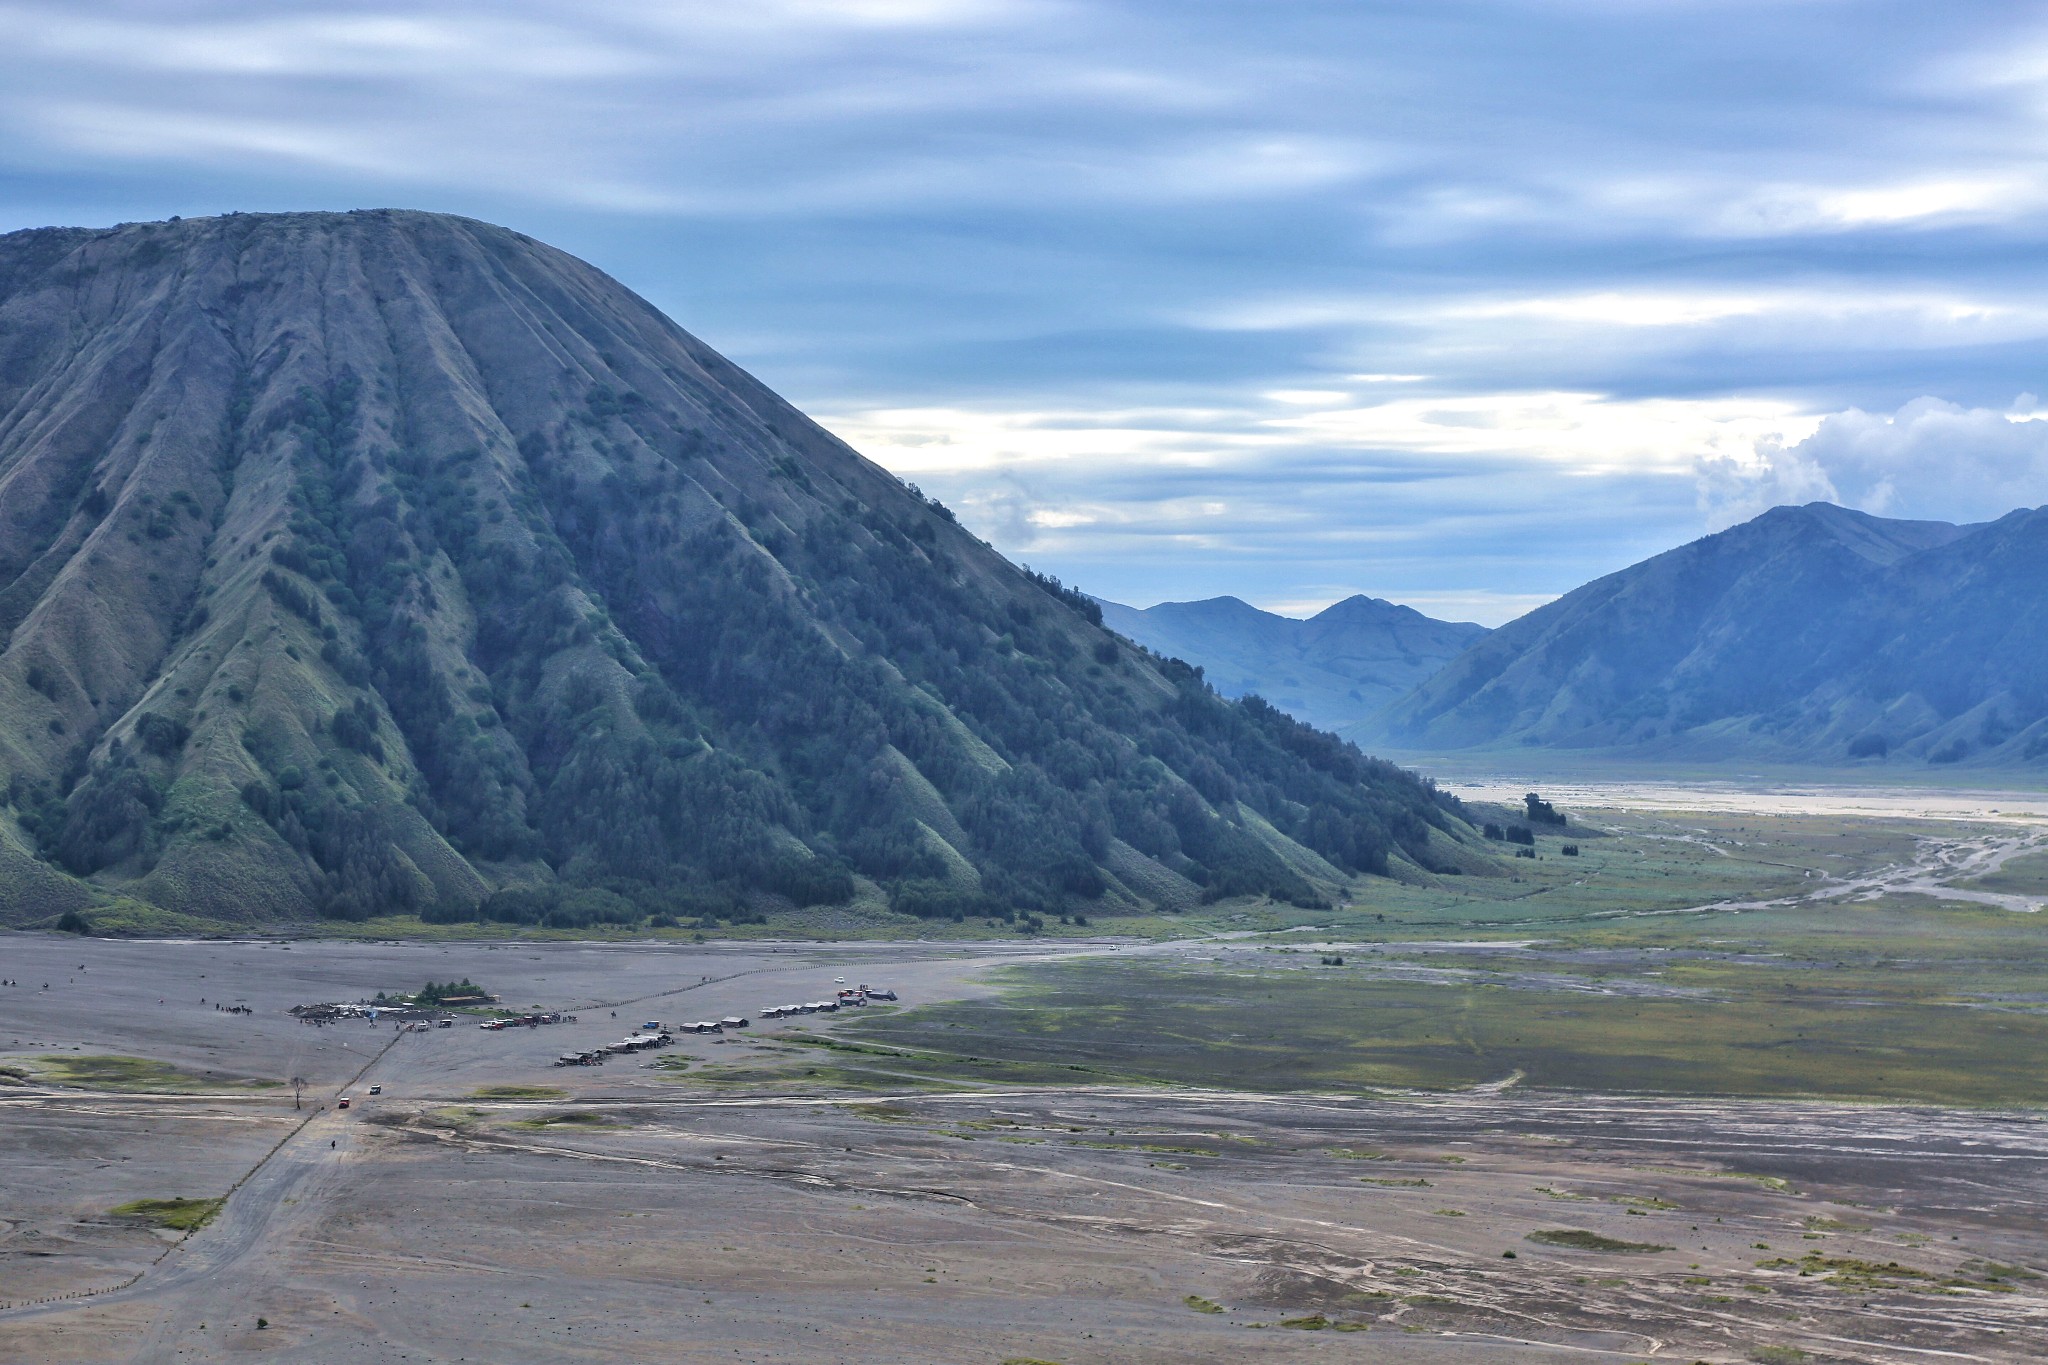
(182, 1215)
(1860, 1274)
(101, 1071)
(834, 1064)
(123, 917)
(1900, 999)
(1749, 1023)
(1202, 1305)
(1576, 1240)
(1774, 1183)
(881, 1113)
(2026, 875)
(573, 1118)
(518, 1092)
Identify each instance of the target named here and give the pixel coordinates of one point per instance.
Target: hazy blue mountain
(1332, 670)
(1810, 634)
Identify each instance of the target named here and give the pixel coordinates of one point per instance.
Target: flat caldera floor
(798, 1190)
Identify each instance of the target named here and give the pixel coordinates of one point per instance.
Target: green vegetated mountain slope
(388, 562)
(1810, 634)
(1334, 669)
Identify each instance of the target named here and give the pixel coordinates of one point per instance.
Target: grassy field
(128, 1074)
(1628, 865)
(1757, 1031)
(574, 1118)
(518, 1092)
(2024, 876)
(178, 1214)
(1610, 971)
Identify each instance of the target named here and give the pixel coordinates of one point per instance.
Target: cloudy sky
(1457, 302)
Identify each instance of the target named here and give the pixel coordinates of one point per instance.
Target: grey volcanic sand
(1063, 1225)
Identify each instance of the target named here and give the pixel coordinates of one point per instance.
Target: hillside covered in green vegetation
(387, 563)
(1808, 635)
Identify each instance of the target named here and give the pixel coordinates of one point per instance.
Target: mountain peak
(1880, 539)
(393, 562)
(1334, 669)
(1360, 607)
(1808, 634)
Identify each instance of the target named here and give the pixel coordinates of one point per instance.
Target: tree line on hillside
(747, 751)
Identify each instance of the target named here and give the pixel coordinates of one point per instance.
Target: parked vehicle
(343, 1104)
(376, 1090)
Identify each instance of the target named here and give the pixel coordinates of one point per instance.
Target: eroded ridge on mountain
(392, 562)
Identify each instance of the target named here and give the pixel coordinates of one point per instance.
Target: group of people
(46, 985)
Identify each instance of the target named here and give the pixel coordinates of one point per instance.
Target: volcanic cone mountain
(382, 562)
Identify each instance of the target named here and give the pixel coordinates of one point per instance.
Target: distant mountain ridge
(1332, 670)
(1810, 634)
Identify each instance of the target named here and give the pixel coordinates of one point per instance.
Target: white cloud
(1931, 459)
(1903, 203)
(133, 132)
(1580, 433)
(1830, 316)
(913, 442)
(379, 46)
(1573, 433)
(1307, 398)
(2002, 189)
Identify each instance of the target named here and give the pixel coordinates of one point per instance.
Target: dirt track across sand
(637, 1217)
